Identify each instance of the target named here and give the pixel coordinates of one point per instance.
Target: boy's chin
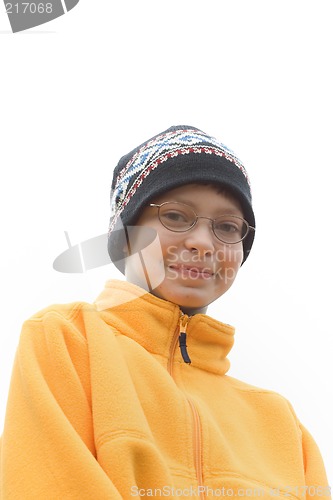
(185, 298)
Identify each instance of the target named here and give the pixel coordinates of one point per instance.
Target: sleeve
(314, 470)
(47, 446)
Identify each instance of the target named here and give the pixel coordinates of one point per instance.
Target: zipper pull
(182, 338)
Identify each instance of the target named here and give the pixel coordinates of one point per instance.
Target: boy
(129, 396)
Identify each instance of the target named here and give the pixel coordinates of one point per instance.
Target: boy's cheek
(227, 275)
(230, 255)
(145, 268)
(171, 255)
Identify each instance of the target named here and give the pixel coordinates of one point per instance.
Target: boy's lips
(193, 269)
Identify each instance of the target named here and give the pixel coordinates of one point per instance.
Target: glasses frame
(248, 227)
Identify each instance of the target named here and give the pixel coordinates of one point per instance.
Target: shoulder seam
(75, 308)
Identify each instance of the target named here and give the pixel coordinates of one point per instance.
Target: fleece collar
(152, 322)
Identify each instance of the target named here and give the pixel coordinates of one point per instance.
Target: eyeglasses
(180, 218)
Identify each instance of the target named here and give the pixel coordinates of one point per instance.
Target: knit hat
(180, 155)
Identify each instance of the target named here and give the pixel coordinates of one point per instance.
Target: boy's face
(193, 268)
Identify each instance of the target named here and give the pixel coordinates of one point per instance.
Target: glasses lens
(176, 216)
(230, 229)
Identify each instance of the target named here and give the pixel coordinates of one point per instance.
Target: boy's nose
(200, 238)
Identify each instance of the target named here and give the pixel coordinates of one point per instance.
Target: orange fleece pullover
(103, 406)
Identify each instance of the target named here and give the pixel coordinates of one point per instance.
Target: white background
(82, 90)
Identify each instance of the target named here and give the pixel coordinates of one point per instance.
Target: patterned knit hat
(180, 155)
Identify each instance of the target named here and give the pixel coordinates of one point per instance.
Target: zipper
(179, 336)
(184, 319)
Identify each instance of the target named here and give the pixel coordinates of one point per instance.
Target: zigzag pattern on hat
(157, 151)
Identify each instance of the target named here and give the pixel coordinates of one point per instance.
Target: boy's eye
(228, 227)
(176, 218)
